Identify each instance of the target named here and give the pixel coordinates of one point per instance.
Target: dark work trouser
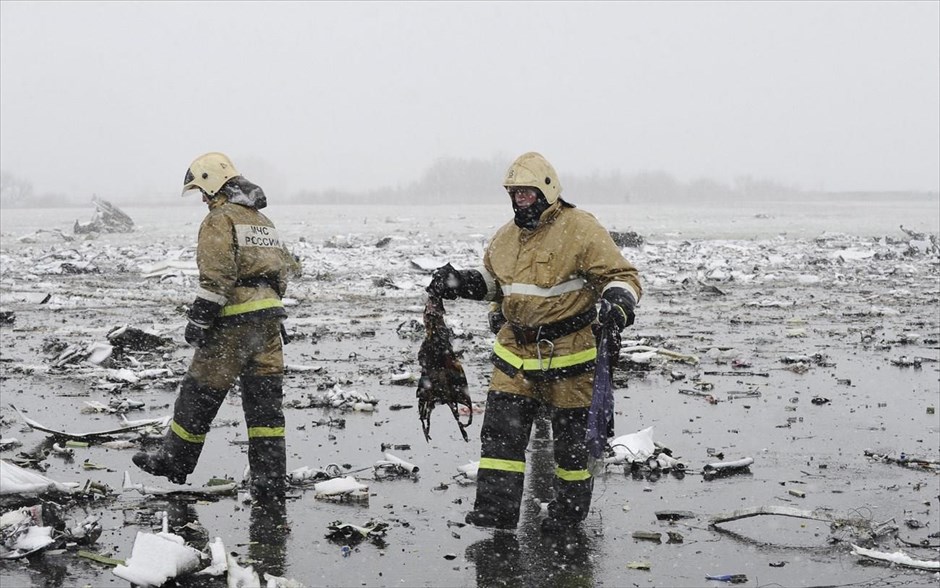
(504, 438)
(250, 350)
(573, 481)
(195, 408)
(262, 398)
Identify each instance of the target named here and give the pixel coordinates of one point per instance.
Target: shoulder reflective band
(532, 365)
(572, 475)
(251, 306)
(503, 465)
(255, 432)
(186, 435)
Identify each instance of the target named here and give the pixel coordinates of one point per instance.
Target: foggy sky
(116, 99)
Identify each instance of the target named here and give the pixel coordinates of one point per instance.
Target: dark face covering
(528, 218)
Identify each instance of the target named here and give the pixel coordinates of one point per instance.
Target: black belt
(254, 282)
(257, 282)
(552, 331)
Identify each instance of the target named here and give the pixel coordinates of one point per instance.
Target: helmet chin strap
(528, 217)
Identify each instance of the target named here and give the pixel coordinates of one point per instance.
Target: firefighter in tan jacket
(235, 326)
(548, 269)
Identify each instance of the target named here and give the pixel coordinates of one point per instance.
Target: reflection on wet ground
(527, 557)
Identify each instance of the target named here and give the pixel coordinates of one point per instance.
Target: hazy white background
(116, 98)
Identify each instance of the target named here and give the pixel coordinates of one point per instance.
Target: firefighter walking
(235, 326)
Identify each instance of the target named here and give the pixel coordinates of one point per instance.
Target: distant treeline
(465, 181)
(468, 181)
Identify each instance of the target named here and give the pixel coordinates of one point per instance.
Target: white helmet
(209, 173)
(532, 170)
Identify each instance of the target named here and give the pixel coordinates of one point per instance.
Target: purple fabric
(602, 401)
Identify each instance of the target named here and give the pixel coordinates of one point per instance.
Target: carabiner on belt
(551, 353)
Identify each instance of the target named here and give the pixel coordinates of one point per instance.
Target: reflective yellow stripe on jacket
(252, 306)
(555, 362)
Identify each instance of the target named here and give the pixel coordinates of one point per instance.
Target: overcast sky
(116, 99)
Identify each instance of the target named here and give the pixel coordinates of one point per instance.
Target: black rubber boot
(193, 412)
(491, 520)
(562, 518)
(158, 463)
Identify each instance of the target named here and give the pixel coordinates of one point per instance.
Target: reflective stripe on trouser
(195, 408)
(262, 399)
(504, 438)
(573, 481)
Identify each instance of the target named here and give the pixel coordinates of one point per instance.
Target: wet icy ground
(823, 301)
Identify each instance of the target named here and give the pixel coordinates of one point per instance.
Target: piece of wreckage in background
(32, 521)
(443, 380)
(161, 557)
(107, 218)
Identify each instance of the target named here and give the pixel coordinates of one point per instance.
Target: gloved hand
(445, 281)
(619, 315)
(496, 319)
(201, 315)
(196, 335)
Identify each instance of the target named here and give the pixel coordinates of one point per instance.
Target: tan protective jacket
(243, 265)
(549, 274)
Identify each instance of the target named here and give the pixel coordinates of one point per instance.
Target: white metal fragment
(898, 557)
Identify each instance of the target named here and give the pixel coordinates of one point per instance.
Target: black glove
(445, 281)
(496, 319)
(616, 309)
(196, 335)
(201, 315)
(448, 283)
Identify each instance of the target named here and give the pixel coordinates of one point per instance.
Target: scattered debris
(725, 468)
(22, 533)
(644, 353)
(898, 557)
(638, 450)
(107, 218)
(732, 578)
(339, 399)
(374, 531)
(394, 466)
(128, 426)
(468, 472)
(346, 488)
(648, 536)
(626, 238)
(673, 515)
(15, 480)
(213, 488)
(306, 475)
(904, 460)
(158, 557)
